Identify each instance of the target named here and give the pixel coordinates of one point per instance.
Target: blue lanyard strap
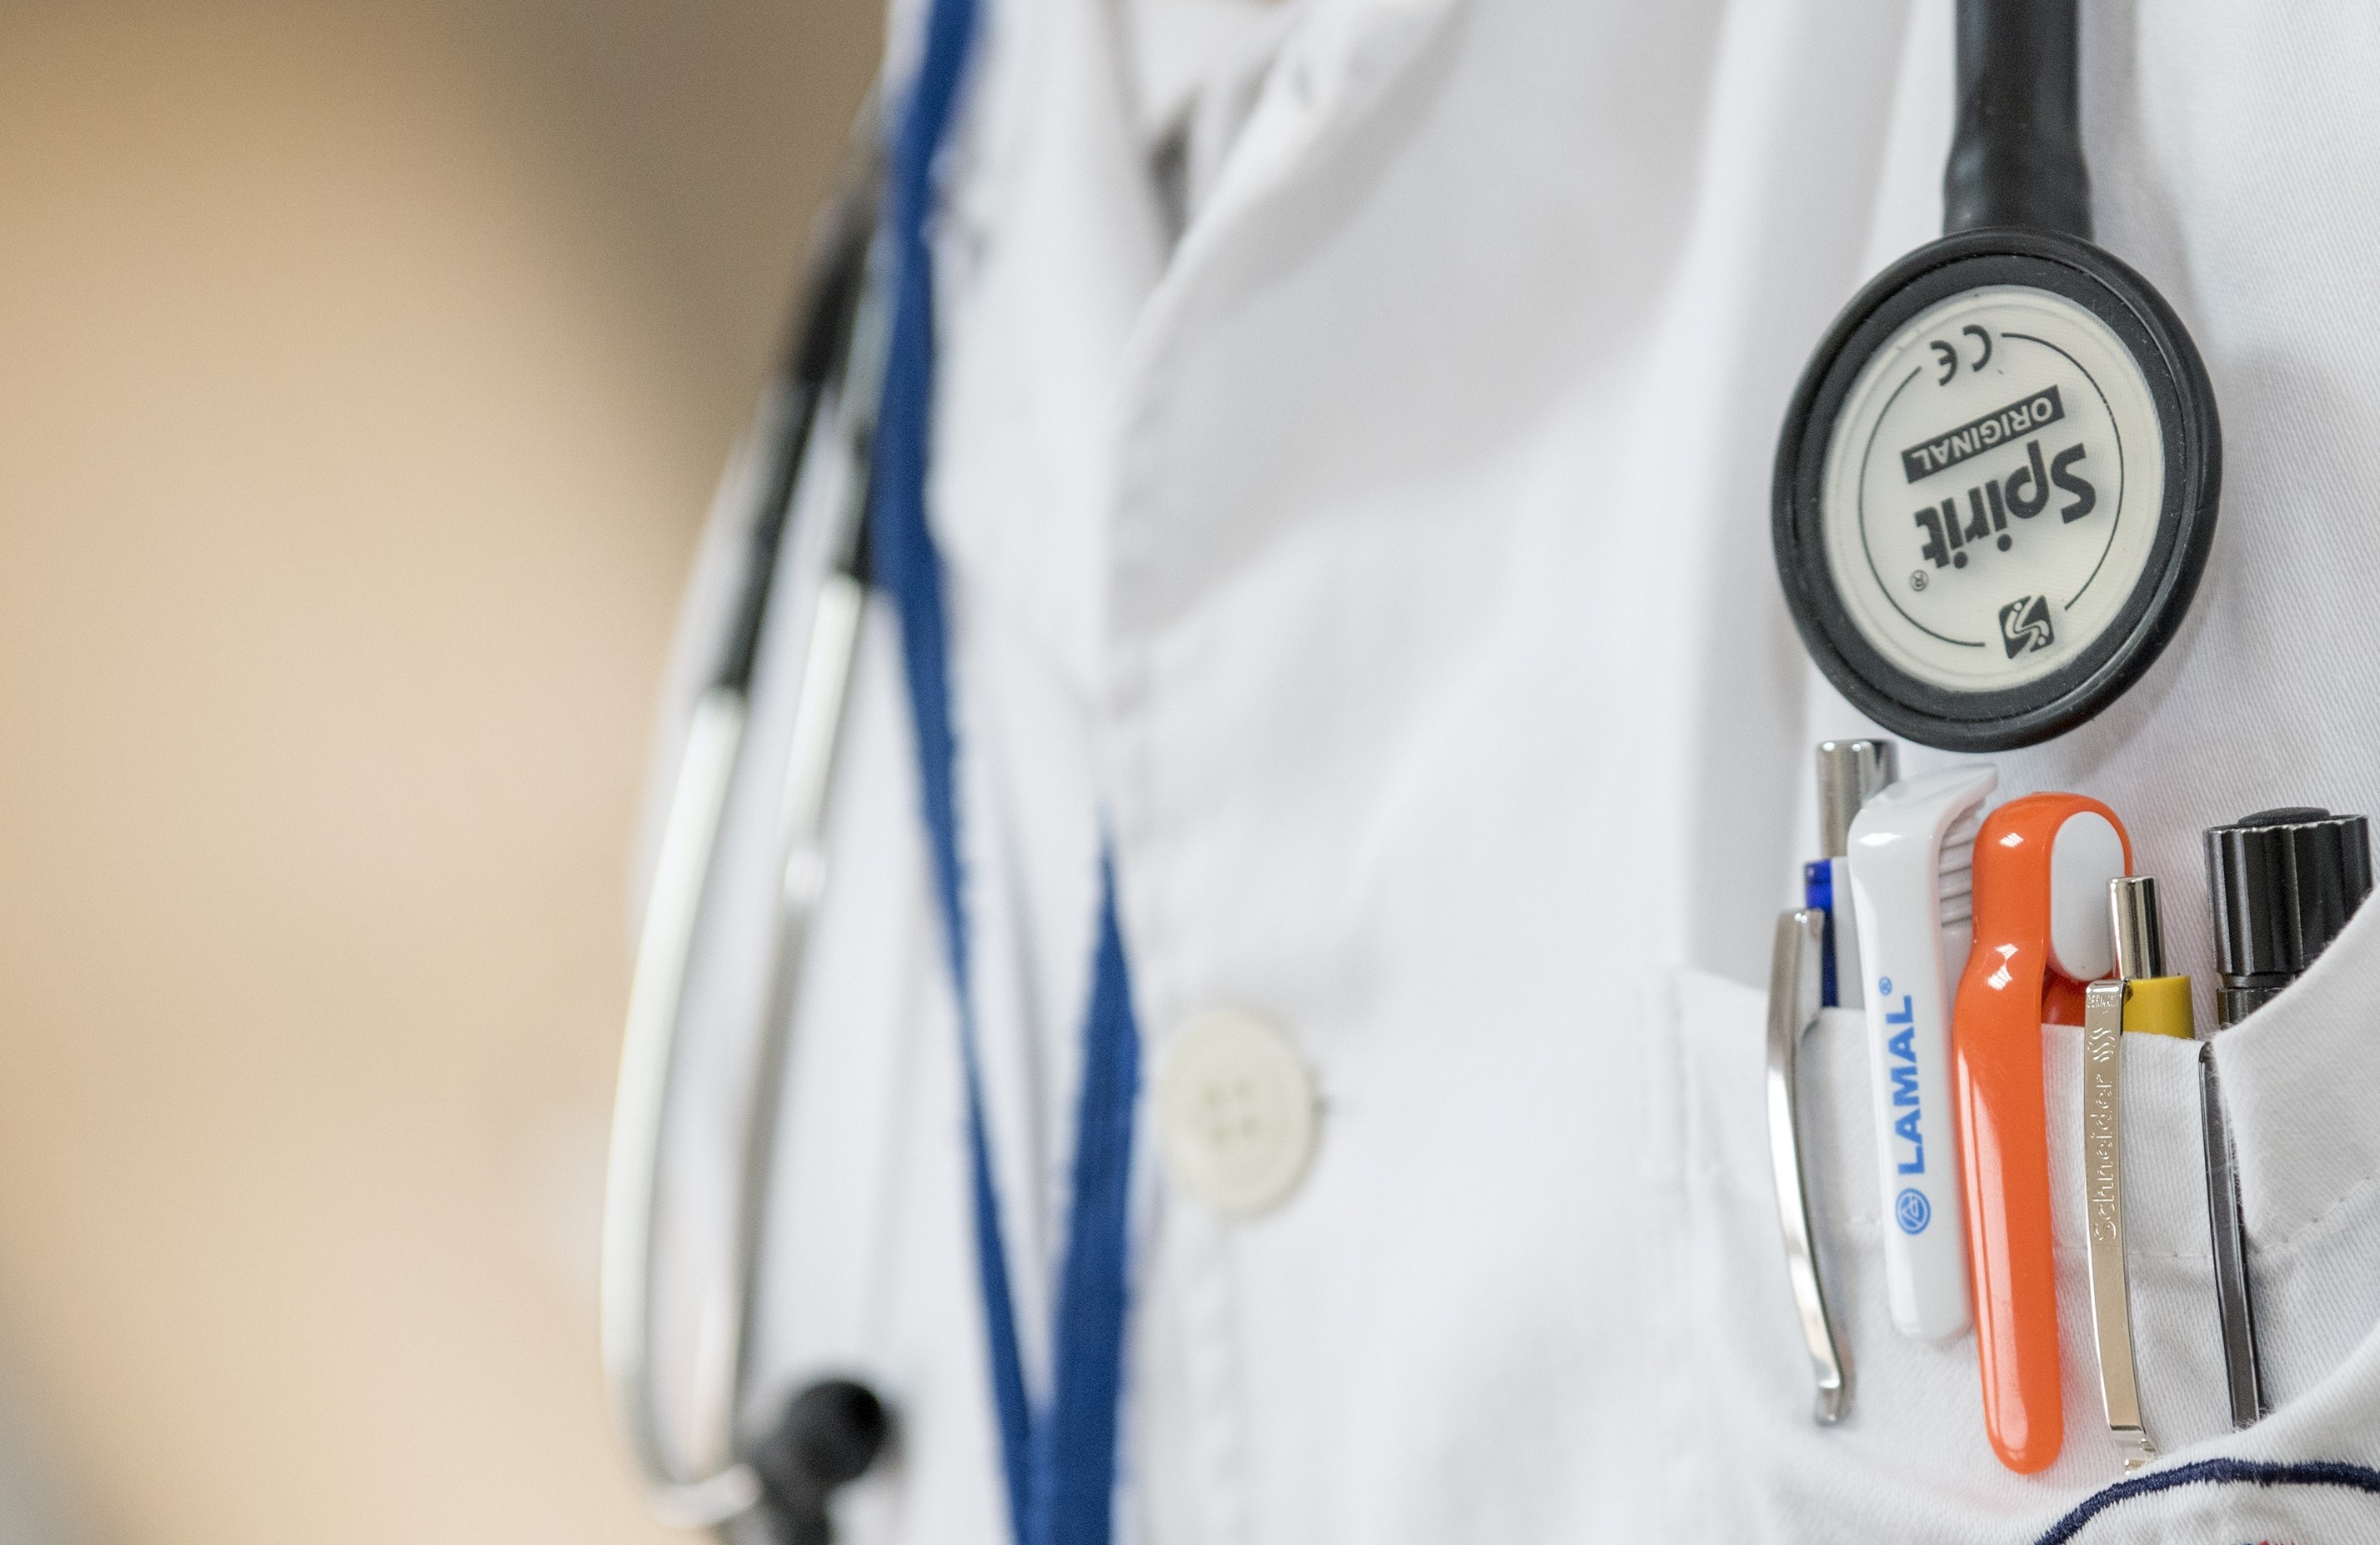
(1060, 1462)
(1075, 1459)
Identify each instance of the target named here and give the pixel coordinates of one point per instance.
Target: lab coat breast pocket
(1909, 1459)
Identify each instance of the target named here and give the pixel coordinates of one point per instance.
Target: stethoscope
(1996, 484)
(1995, 492)
(812, 428)
(855, 405)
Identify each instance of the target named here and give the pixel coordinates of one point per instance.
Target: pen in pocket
(2282, 883)
(2141, 1001)
(2041, 868)
(1912, 852)
(1850, 773)
(1813, 945)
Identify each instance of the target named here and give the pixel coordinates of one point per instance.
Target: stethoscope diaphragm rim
(2005, 718)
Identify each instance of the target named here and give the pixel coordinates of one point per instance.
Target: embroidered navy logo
(2231, 1500)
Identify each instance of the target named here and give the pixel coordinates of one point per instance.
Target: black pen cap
(2282, 885)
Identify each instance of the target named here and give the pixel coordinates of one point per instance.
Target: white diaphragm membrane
(1992, 488)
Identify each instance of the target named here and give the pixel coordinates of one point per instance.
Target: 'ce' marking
(1950, 356)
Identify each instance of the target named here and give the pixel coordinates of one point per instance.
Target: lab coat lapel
(1051, 239)
(1336, 69)
(1047, 243)
(1050, 275)
(1054, 280)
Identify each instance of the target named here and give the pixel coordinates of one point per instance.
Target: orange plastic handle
(2010, 990)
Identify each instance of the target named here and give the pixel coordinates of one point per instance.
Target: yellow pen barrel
(2159, 1006)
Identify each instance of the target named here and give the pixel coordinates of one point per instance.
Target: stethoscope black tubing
(812, 365)
(2016, 154)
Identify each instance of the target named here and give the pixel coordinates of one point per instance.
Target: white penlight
(1912, 865)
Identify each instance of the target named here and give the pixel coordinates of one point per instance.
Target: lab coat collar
(1335, 68)
(1050, 218)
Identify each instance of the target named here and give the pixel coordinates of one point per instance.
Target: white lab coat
(1385, 569)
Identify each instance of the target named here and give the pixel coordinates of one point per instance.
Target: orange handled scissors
(2041, 868)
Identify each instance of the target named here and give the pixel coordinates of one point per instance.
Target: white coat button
(1235, 1113)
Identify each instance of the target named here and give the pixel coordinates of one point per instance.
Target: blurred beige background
(364, 372)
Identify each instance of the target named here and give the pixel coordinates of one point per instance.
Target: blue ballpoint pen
(1850, 773)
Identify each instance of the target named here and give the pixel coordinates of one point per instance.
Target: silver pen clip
(2103, 1200)
(1793, 999)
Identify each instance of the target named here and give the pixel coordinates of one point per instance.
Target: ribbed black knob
(2282, 883)
(832, 1433)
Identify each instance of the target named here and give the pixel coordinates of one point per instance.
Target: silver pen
(1793, 1006)
(1816, 964)
(1850, 773)
(2141, 999)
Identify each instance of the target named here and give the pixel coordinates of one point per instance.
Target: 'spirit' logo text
(2024, 493)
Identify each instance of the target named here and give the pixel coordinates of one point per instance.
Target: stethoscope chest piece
(1996, 489)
